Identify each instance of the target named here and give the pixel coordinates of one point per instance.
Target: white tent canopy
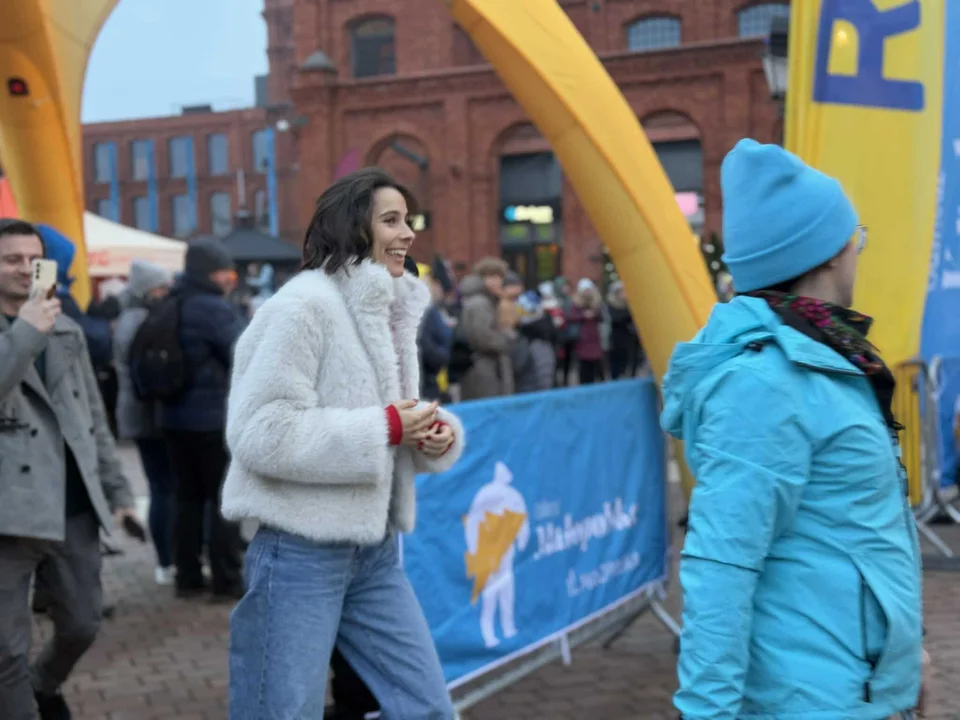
(111, 248)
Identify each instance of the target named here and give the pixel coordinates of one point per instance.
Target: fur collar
(387, 312)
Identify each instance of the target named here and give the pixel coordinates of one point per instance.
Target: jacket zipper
(863, 637)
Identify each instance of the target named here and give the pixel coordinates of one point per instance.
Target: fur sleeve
(275, 427)
(423, 464)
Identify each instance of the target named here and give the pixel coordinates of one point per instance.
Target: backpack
(461, 357)
(158, 366)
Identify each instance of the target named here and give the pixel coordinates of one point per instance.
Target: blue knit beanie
(781, 218)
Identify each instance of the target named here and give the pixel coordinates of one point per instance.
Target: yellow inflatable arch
(45, 46)
(534, 47)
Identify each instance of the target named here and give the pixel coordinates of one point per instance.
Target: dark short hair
(13, 226)
(339, 232)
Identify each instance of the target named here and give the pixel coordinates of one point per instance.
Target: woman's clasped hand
(422, 430)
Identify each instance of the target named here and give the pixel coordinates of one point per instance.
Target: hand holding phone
(40, 312)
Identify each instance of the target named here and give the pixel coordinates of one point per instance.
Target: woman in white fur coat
(326, 437)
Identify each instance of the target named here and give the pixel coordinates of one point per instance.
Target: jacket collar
(387, 313)
(799, 348)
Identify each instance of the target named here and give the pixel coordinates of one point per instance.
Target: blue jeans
(304, 597)
(159, 472)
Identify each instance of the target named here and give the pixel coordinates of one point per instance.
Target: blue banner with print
(941, 323)
(555, 514)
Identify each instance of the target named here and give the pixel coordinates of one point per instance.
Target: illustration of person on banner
(496, 527)
(801, 565)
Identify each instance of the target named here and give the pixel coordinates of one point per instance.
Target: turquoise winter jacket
(801, 568)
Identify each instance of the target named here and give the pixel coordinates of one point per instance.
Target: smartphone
(43, 281)
(134, 529)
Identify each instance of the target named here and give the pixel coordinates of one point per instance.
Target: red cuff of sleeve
(394, 425)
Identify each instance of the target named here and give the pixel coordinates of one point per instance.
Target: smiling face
(16, 254)
(390, 233)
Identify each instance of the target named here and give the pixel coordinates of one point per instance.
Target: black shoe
(227, 596)
(188, 592)
(52, 707)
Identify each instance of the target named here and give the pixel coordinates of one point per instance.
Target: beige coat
(491, 374)
(37, 418)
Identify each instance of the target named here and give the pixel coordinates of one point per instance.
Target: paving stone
(165, 658)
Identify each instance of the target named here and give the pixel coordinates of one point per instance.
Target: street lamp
(774, 57)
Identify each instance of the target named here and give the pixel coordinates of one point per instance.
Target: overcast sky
(153, 56)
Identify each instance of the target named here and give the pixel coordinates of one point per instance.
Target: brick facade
(446, 104)
(446, 101)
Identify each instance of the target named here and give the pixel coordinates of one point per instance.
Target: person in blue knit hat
(801, 568)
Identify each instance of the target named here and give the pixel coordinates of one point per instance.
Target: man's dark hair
(12, 226)
(339, 231)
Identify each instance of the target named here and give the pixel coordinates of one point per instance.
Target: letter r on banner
(868, 87)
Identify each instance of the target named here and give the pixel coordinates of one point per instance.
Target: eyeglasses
(860, 238)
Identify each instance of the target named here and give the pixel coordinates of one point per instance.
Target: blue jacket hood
(733, 326)
(58, 247)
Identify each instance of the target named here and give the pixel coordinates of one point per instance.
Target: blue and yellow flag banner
(865, 105)
(941, 323)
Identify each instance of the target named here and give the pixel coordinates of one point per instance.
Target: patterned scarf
(842, 330)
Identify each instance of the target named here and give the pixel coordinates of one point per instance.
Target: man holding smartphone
(60, 482)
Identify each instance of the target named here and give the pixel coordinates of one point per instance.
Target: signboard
(535, 531)
(533, 214)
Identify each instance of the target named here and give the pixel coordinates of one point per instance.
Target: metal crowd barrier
(916, 406)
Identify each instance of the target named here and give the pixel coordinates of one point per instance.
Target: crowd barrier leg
(654, 604)
(917, 407)
(613, 624)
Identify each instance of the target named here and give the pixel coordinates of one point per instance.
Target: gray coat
(37, 418)
(135, 418)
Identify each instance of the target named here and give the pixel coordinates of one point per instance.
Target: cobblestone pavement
(165, 658)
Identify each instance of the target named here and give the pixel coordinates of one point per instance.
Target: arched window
(653, 33)
(372, 47)
(464, 51)
(755, 20)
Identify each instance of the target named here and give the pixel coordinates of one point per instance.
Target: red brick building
(358, 82)
(189, 174)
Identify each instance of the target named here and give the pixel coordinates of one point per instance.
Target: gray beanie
(205, 256)
(146, 277)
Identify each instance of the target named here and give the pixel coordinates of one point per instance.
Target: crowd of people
(489, 336)
(800, 570)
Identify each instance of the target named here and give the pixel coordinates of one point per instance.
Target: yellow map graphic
(496, 534)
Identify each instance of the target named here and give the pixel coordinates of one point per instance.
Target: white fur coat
(306, 420)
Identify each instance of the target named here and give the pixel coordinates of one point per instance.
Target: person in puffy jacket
(801, 567)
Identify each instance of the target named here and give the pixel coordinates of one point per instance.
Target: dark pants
(199, 462)
(69, 572)
(107, 382)
(351, 697)
(566, 363)
(156, 466)
(591, 371)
